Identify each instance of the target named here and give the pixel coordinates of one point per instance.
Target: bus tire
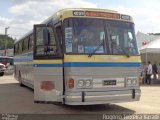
(57, 103)
(2, 73)
(20, 80)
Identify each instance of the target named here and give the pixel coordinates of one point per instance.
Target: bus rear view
(93, 58)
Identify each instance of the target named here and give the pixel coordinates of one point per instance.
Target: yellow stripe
(100, 58)
(41, 62)
(47, 61)
(19, 63)
(85, 58)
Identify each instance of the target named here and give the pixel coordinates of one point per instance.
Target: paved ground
(16, 99)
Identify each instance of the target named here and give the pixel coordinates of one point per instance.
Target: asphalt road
(15, 99)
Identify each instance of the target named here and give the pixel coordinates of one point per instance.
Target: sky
(20, 15)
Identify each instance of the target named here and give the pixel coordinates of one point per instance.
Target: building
(144, 39)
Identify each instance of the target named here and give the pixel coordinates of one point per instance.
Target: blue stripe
(101, 64)
(47, 65)
(91, 64)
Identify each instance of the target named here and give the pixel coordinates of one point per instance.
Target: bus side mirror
(46, 39)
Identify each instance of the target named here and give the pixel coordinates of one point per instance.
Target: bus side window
(30, 44)
(20, 47)
(16, 48)
(25, 44)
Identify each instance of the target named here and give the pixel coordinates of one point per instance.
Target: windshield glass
(86, 35)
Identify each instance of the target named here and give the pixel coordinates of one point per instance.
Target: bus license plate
(109, 82)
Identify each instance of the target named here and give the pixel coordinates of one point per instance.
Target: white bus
(80, 57)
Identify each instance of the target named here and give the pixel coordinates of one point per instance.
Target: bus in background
(80, 56)
(8, 63)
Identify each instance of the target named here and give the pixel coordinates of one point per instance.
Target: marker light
(70, 83)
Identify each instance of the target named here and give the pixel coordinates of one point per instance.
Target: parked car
(8, 62)
(2, 69)
(9, 69)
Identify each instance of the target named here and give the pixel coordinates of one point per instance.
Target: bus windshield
(97, 36)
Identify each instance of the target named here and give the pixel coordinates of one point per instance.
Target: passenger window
(20, 47)
(16, 48)
(25, 44)
(30, 44)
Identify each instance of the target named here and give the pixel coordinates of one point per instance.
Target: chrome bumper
(89, 98)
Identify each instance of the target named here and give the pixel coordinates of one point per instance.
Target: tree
(10, 42)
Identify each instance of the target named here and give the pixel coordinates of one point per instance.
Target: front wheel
(58, 103)
(20, 80)
(2, 73)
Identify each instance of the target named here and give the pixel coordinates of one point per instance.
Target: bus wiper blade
(90, 55)
(124, 51)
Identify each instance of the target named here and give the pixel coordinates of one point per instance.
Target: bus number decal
(78, 13)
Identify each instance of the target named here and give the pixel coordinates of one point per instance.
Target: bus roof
(60, 13)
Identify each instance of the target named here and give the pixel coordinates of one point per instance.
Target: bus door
(48, 65)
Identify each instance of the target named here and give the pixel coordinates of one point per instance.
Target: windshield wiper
(125, 53)
(97, 48)
(90, 54)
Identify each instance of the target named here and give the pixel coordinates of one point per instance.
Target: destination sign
(97, 14)
(102, 14)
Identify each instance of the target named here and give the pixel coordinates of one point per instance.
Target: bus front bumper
(90, 98)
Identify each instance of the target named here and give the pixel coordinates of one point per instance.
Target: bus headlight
(131, 81)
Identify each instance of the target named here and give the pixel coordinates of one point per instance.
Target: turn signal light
(70, 83)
